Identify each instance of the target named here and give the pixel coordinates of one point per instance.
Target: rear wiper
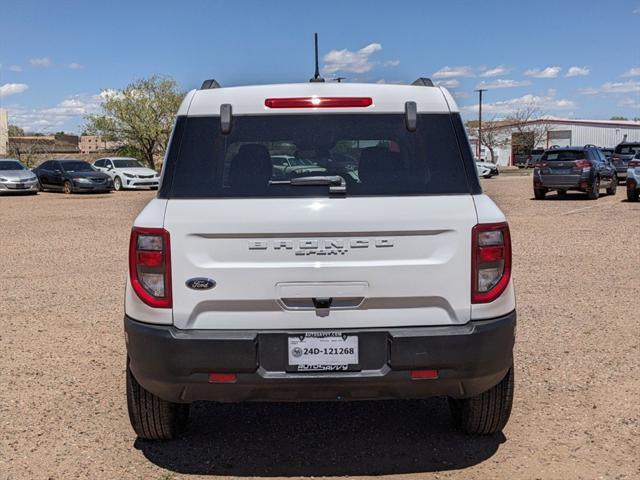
(336, 183)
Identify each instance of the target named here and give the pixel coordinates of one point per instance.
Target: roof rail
(208, 84)
(423, 82)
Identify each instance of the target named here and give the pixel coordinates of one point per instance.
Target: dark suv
(621, 156)
(584, 169)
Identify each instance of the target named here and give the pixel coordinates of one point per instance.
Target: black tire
(611, 189)
(539, 193)
(151, 417)
(633, 194)
(594, 189)
(487, 413)
(117, 184)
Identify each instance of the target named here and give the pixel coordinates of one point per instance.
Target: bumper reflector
(424, 374)
(223, 378)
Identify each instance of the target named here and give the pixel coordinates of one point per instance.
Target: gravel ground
(576, 412)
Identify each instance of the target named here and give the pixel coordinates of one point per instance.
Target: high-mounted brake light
(150, 266)
(318, 102)
(490, 261)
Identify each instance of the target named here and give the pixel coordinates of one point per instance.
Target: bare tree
(28, 151)
(492, 136)
(530, 125)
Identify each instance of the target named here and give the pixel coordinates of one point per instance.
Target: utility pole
(479, 144)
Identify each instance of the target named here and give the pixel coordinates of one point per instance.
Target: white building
(4, 131)
(560, 132)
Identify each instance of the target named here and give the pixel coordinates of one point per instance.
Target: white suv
(383, 273)
(128, 173)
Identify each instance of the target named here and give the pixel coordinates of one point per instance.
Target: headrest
(251, 168)
(377, 164)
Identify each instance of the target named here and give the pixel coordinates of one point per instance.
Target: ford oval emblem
(200, 283)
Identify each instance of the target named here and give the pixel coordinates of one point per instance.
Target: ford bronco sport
(380, 272)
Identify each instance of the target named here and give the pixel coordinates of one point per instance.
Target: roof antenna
(316, 76)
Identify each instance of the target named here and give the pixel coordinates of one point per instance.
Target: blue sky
(571, 58)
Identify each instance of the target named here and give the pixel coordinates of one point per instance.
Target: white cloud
(632, 72)
(355, 62)
(578, 72)
(75, 66)
(503, 83)
(588, 91)
(12, 88)
(494, 72)
(40, 62)
(15, 68)
(506, 107)
(629, 102)
(67, 114)
(452, 83)
(630, 86)
(549, 72)
(450, 72)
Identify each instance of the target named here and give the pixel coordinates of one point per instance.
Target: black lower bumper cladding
(175, 364)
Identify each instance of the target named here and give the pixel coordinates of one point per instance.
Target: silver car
(16, 178)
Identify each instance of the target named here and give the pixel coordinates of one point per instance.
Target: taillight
(318, 102)
(540, 165)
(634, 164)
(490, 261)
(150, 266)
(585, 165)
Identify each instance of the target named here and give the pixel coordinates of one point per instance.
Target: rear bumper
(174, 364)
(561, 181)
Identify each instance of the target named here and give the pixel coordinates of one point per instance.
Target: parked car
(244, 287)
(284, 165)
(72, 176)
(633, 178)
(128, 173)
(530, 159)
(607, 152)
(621, 155)
(16, 178)
(583, 169)
(487, 169)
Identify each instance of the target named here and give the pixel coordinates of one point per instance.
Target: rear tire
(151, 417)
(539, 193)
(487, 413)
(594, 189)
(611, 189)
(633, 195)
(67, 188)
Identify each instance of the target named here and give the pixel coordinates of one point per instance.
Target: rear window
(564, 155)
(374, 153)
(628, 149)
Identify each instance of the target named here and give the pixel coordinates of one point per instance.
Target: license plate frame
(20, 186)
(323, 352)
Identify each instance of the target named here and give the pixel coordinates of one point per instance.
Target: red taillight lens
(584, 164)
(490, 261)
(540, 165)
(318, 102)
(634, 164)
(150, 266)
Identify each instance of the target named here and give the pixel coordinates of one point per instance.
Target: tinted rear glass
(374, 153)
(628, 149)
(564, 155)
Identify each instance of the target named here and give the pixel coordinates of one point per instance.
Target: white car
(392, 283)
(487, 169)
(128, 173)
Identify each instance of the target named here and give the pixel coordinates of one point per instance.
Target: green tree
(15, 131)
(617, 117)
(140, 116)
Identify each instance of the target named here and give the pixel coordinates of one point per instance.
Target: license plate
(20, 185)
(323, 351)
(561, 171)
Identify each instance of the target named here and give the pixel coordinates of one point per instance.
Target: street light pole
(479, 145)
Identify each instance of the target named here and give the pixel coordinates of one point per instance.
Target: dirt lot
(576, 413)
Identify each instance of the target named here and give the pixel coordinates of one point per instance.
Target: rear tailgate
(401, 261)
